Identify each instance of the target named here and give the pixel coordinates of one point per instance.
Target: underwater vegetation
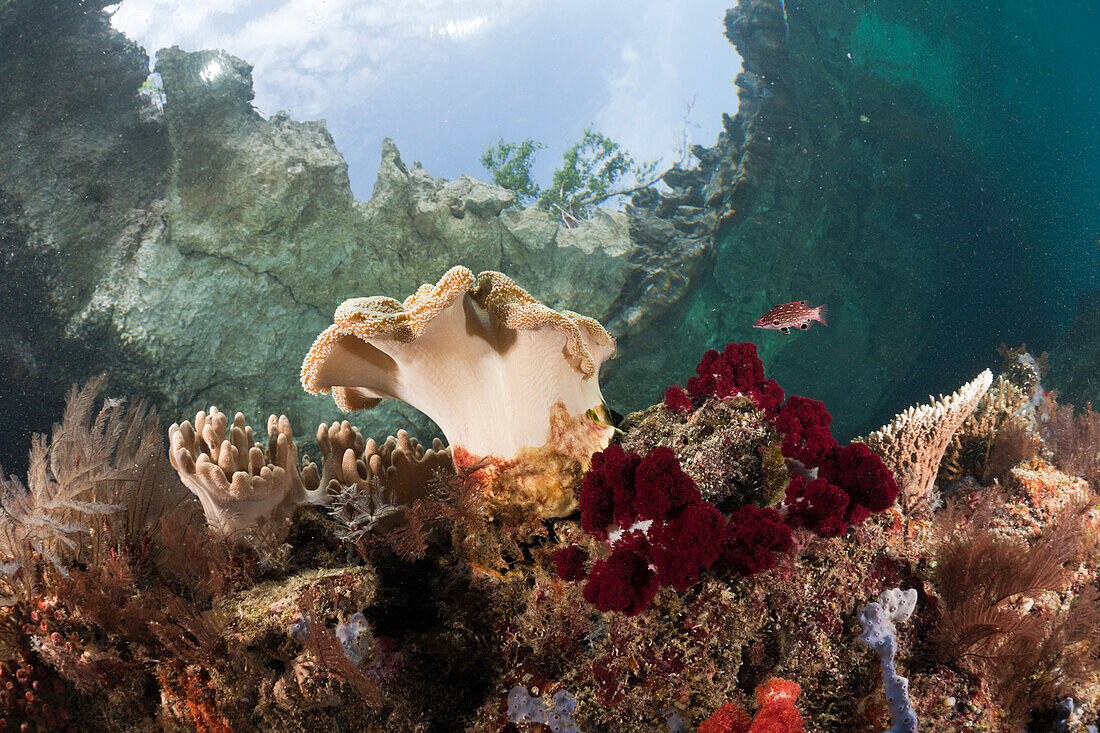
(716, 562)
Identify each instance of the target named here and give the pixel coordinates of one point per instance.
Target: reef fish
(791, 315)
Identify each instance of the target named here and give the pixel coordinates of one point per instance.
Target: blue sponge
(879, 633)
(555, 713)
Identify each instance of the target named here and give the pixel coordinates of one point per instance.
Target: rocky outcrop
(866, 169)
(194, 254)
(81, 159)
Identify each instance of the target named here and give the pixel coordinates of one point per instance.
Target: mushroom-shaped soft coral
(240, 484)
(482, 358)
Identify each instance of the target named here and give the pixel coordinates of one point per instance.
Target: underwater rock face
(82, 159)
(873, 166)
(868, 166)
(194, 254)
(264, 229)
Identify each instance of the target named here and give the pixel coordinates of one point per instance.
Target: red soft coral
(737, 370)
(817, 505)
(683, 547)
(569, 563)
(777, 689)
(683, 534)
(661, 486)
(777, 713)
(805, 424)
(607, 490)
(623, 582)
(754, 537)
(677, 400)
(729, 718)
(860, 472)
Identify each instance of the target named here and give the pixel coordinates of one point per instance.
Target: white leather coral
(480, 356)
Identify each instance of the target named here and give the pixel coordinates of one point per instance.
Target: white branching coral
(242, 485)
(913, 444)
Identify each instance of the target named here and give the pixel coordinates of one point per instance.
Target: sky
(446, 79)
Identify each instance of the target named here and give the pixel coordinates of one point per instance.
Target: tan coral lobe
(913, 444)
(480, 356)
(239, 484)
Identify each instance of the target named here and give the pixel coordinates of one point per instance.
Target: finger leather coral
(505, 377)
(368, 486)
(241, 485)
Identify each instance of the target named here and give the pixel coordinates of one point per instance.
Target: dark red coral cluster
(736, 370)
(843, 485)
(670, 535)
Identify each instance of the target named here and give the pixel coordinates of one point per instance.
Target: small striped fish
(791, 315)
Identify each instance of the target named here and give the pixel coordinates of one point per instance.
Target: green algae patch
(269, 608)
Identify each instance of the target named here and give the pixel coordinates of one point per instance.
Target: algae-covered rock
(726, 446)
(265, 612)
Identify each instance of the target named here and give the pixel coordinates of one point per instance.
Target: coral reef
(913, 444)
(724, 546)
(724, 542)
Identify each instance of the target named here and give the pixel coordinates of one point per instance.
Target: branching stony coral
(913, 444)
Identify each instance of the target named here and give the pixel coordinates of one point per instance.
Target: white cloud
(316, 56)
(666, 66)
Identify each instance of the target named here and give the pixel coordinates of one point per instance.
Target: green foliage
(510, 165)
(590, 170)
(594, 169)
